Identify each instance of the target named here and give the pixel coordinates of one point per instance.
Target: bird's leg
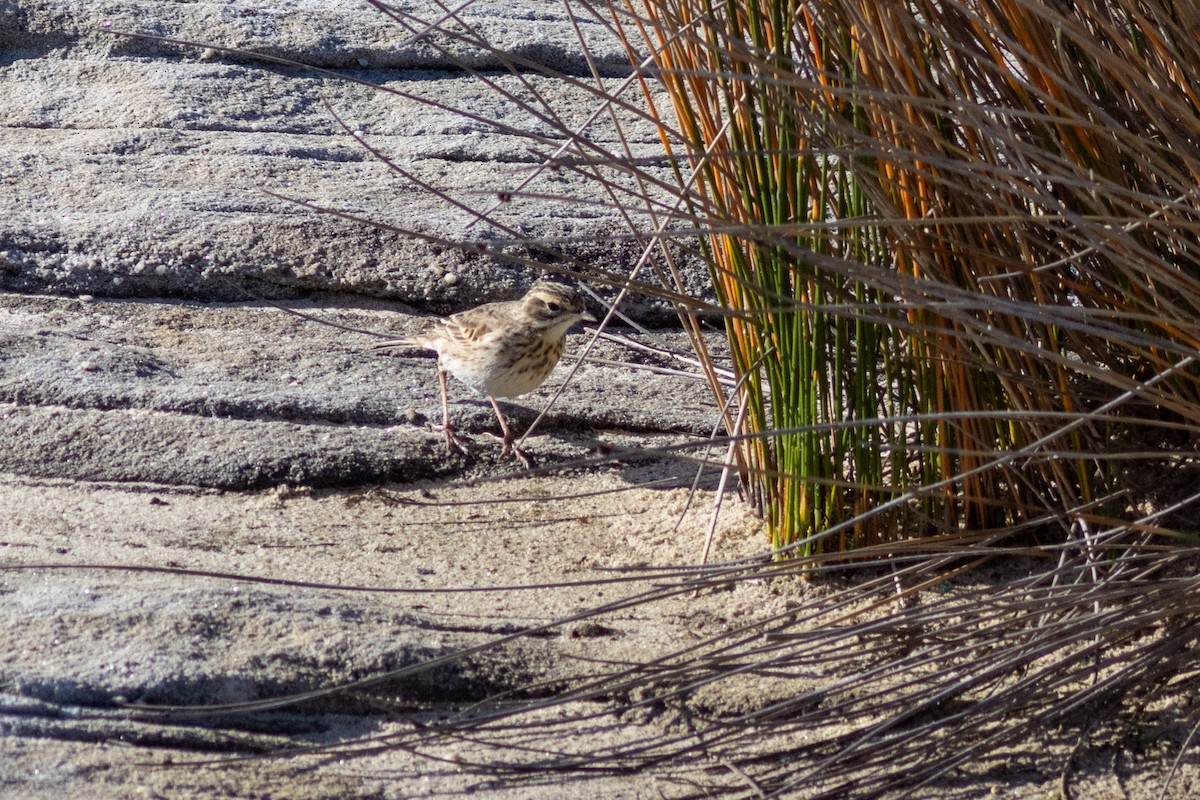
(507, 439)
(453, 444)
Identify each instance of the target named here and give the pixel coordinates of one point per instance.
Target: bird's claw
(509, 448)
(454, 443)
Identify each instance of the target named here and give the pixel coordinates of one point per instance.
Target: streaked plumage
(501, 349)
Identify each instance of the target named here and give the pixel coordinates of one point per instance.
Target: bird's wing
(476, 325)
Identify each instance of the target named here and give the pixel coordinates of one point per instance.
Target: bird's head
(555, 305)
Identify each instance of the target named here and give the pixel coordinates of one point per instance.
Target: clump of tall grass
(946, 234)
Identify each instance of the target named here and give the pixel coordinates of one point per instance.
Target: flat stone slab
(135, 168)
(249, 396)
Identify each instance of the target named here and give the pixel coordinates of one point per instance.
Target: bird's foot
(454, 442)
(524, 457)
(509, 448)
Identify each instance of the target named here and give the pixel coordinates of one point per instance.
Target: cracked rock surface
(139, 168)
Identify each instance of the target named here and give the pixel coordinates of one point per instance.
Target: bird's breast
(510, 369)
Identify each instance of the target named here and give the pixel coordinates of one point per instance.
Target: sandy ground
(85, 638)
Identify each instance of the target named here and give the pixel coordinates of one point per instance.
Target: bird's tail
(409, 342)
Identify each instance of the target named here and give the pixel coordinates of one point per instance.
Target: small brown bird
(501, 349)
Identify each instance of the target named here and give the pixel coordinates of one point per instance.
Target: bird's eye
(553, 307)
